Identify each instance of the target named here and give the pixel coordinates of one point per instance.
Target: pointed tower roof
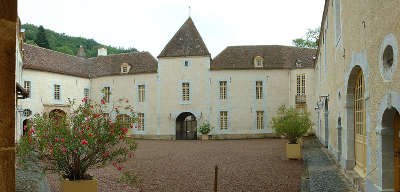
(186, 42)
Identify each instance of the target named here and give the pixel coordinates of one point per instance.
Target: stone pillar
(8, 18)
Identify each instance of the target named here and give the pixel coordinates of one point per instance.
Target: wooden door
(396, 147)
(360, 136)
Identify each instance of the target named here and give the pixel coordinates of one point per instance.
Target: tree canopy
(66, 44)
(310, 40)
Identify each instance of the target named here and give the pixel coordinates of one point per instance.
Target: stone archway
(57, 114)
(186, 126)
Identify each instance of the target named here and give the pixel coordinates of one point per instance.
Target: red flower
(81, 132)
(119, 168)
(25, 127)
(115, 164)
(84, 99)
(125, 130)
(121, 137)
(84, 142)
(106, 154)
(91, 106)
(32, 130)
(51, 150)
(103, 102)
(56, 139)
(64, 150)
(111, 132)
(127, 101)
(131, 155)
(90, 134)
(131, 126)
(62, 140)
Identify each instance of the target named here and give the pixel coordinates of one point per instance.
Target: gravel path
(244, 165)
(324, 173)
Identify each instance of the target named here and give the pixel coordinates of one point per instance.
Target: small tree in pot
(291, 124)
(204, 129)
(83, 139)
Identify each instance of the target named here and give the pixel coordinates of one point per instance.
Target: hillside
(68, 44)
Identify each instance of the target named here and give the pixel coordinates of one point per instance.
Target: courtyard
(244, 165)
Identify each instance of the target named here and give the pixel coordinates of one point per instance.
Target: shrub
(205, 128)
(86, 138)
(291, 123)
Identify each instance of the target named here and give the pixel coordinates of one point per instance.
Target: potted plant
(204, 129)
(291, 124)
(71, 144)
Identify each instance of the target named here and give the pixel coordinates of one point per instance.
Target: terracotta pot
(78, 185)
(293, 151)
(204, 137)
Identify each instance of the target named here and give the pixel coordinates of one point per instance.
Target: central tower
(183, 83)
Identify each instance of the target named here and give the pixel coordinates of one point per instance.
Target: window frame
(84, 92)
(181, 90)
(260, 122)
(259, 91)
(60, 99)
(141, 122)
(258, 61)
(225, 119)
(109, 96)
(139, 97)
(30, 88)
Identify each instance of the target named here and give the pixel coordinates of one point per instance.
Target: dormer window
(258, 61)
(186, 63)
(125, 67)
(299, 63)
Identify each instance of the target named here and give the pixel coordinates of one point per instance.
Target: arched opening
(57, 114)
(27, 123)
(355, 122)
(186, 126)
(326, 118)
(390, 150)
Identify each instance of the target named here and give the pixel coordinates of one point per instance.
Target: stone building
(238, 91)
(358, 99)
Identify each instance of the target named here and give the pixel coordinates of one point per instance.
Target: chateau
(238, 91)
(349, 84)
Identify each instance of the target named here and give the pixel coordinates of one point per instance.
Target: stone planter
(204, 137)
(300, 141)
(293, 151)
(79, 185)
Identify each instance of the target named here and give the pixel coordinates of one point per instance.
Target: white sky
(148, 25)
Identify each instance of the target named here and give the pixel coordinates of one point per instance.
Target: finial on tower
(189, 11)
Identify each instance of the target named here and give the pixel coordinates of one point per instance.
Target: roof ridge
(51, 50)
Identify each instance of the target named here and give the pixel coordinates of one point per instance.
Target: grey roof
(275, 57)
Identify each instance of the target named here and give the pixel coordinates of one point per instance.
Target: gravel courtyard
(244, 165)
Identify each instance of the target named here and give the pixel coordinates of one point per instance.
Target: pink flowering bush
(86, 138)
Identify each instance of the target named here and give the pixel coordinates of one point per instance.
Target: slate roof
(42, 59)
(275, 57)
(186, 42)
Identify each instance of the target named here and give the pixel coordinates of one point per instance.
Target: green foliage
(70, 145)
(68, 44)
(205, 128)
(291, 123)
(41, 38)
(310, 41)
(31, 42)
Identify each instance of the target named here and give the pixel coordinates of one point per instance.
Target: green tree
(31, 42)
(310, 41)
(41, 38)
(64, 49)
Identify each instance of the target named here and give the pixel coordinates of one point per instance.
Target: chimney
(102, 51)
(81, 52)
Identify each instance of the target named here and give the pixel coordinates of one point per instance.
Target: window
(260, 120)
(125, 120)
(360, 138)
(107, 93)
(141, 93)
(185, 91)
(27, 112)
(259, 90)
(86, 92)
(57, 92)
(258, 61)
(140, 121)
(223, 120)
(27, 86)
(186, 63)
(222, 90)
(124, 69)
(301, 84)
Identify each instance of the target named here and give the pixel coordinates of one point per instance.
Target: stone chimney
(81, 52)
(102, 51)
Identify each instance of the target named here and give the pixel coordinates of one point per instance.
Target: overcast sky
(148, 25)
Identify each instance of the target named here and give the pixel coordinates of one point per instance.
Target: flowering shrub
(69, 145)
(291, 123)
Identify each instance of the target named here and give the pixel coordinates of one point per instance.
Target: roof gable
(186, 42)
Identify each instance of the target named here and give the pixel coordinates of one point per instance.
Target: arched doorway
(390, 150)
(27, 123)
(57, 114)
(186, 126)
(326, 112)
(360, 132)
